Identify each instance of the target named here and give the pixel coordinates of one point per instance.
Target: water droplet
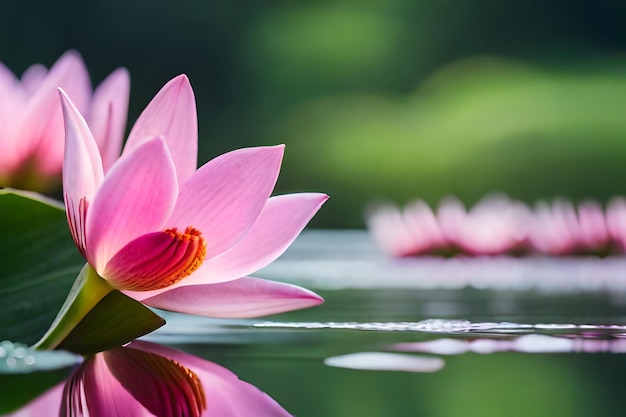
(6, 345)
(19, 353)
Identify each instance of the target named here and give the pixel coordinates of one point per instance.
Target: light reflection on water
(552, 347)
(349, 259)
(346, 368)
(476, 335)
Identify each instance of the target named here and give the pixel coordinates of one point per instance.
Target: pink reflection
(146, 379)
(498, 225)
(530, 343)
(385, 361)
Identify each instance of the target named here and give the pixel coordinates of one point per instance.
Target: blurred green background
(374, 98)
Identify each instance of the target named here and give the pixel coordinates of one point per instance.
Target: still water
(428, 337)
(478, 337)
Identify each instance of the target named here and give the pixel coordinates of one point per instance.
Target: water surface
(462, 337)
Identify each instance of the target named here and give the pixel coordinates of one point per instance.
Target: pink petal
(387, 225)
(452, 218)
(422, 224)
(160, 384)
(156, 260)
(7, 77)
(553, 228)
(135, 198)
(45, 404)
(82, 170)
(616, 221)
(42, 124)
(108, 113)
(224, 198)
(242, 298)
(493, 226)
(227, 395)
(11, 106)
(172, 115)
(33, 77)
(592, 227)
(280, 222)
(96, 392)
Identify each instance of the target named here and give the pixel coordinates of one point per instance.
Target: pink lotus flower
(560, 229)
(498, 225)
(31, 124)
(553, 229)
(411, 231)
(592, 231)
(495, 225)
(146, 379)
(176, 238)
(616, 221)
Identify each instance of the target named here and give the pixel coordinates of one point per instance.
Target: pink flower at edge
(387, 226)
(175, 237)
(616, 221)
(31, 123)
(495, 225)
(411, 231)
(555, 228)
(593, 233)
(146, 379)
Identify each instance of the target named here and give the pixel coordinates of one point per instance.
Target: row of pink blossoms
(498, 225)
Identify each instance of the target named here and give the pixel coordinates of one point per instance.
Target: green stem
(87, 291)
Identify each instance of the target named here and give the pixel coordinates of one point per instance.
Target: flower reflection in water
(147, 379)
(530, 343)
(490, 338)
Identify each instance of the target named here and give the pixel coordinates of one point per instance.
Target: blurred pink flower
(146, 379)
(495, 225)
(498, 225)
(553, 230)
(31, 124)
(176, 238)
(616, 221)
(560, 229)
(592, 231)
(412, 231)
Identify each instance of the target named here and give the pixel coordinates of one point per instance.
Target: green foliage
(254, 63)
(96, 317)
(479, 126)
(114, 321)
(310, 60)
(38, 264)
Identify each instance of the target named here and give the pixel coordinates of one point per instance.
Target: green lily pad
(26, 373)
(38, 264)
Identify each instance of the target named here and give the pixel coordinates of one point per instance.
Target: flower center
(157, 260)
(195, 251)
